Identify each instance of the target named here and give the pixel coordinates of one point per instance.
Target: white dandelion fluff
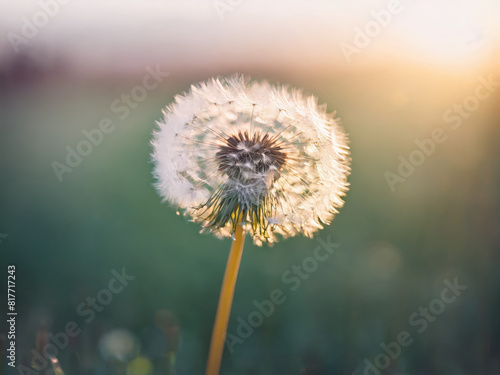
(234, 150)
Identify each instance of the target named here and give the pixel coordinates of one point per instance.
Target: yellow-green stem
(225, 302)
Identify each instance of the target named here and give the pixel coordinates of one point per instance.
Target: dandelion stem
(225, 302)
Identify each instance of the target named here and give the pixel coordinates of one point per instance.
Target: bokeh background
(397, 246)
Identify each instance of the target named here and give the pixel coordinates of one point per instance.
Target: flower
(234, 150)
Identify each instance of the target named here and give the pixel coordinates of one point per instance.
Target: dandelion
(245, 157)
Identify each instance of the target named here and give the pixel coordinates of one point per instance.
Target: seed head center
(248, 158)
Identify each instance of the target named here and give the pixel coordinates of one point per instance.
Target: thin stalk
(225, 302)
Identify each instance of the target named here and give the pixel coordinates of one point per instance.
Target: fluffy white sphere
(233, 150)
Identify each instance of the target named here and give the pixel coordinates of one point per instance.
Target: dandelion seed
(237, 150)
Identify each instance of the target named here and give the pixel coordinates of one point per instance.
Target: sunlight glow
(449, 33)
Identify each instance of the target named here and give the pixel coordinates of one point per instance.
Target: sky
(191, 33)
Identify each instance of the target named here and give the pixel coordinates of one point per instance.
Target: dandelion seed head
(233, 150)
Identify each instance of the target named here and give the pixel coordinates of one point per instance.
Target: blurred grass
(396, 248)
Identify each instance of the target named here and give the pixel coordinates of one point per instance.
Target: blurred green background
(396, 248)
